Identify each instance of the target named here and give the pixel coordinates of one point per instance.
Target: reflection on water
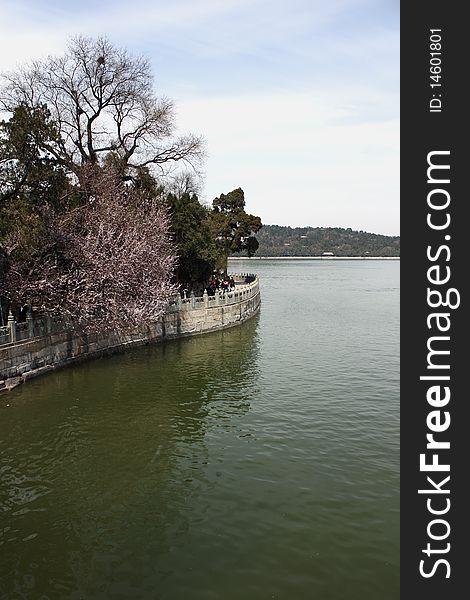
(257, 462)
(101, 460)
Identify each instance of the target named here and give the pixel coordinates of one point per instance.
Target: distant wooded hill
(275, 240)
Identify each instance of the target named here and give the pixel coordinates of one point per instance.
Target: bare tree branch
(102, 100)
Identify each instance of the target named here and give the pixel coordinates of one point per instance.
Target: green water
(260, 462)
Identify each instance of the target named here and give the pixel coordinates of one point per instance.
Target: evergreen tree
(196, 248)
(232, 227)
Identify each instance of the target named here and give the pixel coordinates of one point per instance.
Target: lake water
(255, 463)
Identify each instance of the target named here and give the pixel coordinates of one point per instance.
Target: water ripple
(258, 462)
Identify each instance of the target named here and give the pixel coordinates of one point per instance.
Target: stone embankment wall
(20, 361)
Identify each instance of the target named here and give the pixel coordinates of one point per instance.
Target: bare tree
(184, 182)
(105, 265)
(103, 103)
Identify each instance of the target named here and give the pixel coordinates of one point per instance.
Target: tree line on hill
(276, 240)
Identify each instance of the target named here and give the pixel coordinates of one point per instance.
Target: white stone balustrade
(42, 325)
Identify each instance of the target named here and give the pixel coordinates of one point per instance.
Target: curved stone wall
(29, 358)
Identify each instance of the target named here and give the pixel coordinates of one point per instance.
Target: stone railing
(38, 326)
(43, 325)
(46, 344)
(242, 291)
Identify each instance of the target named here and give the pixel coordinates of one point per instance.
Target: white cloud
(301, 159)
(327, 155)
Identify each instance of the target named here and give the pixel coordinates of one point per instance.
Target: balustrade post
(30, 322)
(12, 326)
(206, 298)
(193, 299)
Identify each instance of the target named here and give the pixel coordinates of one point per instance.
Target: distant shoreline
(314, 258)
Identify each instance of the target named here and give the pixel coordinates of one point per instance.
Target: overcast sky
(298, 99)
